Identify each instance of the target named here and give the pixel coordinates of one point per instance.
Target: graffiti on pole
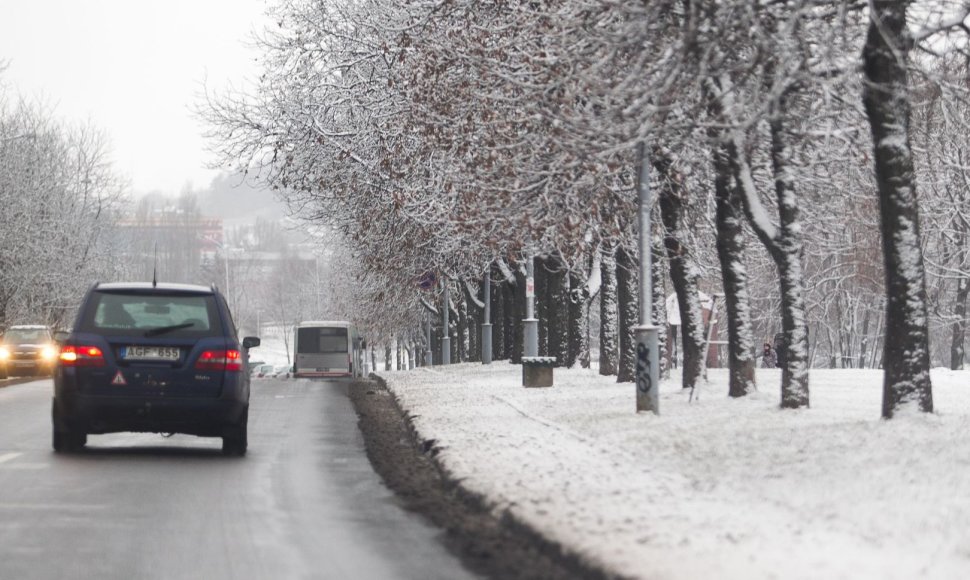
(644, 382)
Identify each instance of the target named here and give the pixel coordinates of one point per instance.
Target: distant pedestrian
(769, 359)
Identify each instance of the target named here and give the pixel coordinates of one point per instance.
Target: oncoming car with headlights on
(27, 349)
(153, 358)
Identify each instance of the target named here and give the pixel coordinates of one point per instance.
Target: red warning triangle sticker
(119, 379)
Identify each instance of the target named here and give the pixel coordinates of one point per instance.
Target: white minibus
(323, 349)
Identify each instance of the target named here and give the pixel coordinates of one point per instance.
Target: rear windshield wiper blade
(164, 329)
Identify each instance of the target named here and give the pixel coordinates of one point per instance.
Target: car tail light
(81, 356)
(219, 360)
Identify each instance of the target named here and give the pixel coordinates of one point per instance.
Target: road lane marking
(8, 456)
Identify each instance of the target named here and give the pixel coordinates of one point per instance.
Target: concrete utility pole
(530, 326)
(487, 324)
(648, 367)
(445, 338)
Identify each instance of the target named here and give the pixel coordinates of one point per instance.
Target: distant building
(172, 242)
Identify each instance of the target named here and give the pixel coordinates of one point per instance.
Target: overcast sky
(135, 69)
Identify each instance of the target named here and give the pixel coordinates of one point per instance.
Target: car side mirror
(251, 342)
(61, 335)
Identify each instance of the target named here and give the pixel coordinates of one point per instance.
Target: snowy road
(304, 503)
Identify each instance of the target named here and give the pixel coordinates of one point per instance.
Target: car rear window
(114, 313)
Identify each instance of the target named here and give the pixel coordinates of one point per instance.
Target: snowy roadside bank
(717, 488)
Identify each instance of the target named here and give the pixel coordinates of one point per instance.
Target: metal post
(428, 356)
(648, 367)
(445, 338)
(530, 326)
(487, 324)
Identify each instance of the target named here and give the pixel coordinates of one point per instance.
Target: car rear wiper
(164, 329)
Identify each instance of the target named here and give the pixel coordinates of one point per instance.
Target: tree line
(791, 146)
(58, 198)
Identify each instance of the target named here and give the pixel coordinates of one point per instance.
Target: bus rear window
(317, 340)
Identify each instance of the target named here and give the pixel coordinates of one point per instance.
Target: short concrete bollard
(537, 371)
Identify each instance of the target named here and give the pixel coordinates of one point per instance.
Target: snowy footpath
(714, 488)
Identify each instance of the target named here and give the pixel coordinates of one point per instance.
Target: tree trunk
(906, 382)
(508, 295)
(730, 252)
(462, 330)
(578, 315)
(629, 313)
(957, 352)
(684, 271)
(609, 314)
(475, 312)
(787, 254)
(785, 247)
(959, 326)
(660, 304)
(864, 338)
(558, 312)
(498, 315)
(783, 241)
(519, 310)
(455, 341)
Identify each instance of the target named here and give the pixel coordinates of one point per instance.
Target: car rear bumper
(320, 374)
(193, 416)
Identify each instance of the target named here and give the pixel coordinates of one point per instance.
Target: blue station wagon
(145, 357)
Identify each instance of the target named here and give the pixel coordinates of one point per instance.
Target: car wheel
(235, 440)
(63, 438)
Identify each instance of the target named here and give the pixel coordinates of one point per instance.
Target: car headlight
(4, 353)
(48, 353)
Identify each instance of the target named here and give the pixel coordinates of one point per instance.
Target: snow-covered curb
(719, 488)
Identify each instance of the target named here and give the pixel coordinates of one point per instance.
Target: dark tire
(68, 442)
(235, 441)
(63, 438)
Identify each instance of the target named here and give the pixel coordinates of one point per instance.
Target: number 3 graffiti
(644, 382)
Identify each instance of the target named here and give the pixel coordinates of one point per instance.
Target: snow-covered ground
(716, 488)
(272, 348)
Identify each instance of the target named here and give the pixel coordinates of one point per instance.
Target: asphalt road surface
(303, 503)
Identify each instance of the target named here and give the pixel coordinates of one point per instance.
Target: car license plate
(162, 353)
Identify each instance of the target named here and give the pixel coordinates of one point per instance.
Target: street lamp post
(647, 333)
(445, 334)
(487, 324)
